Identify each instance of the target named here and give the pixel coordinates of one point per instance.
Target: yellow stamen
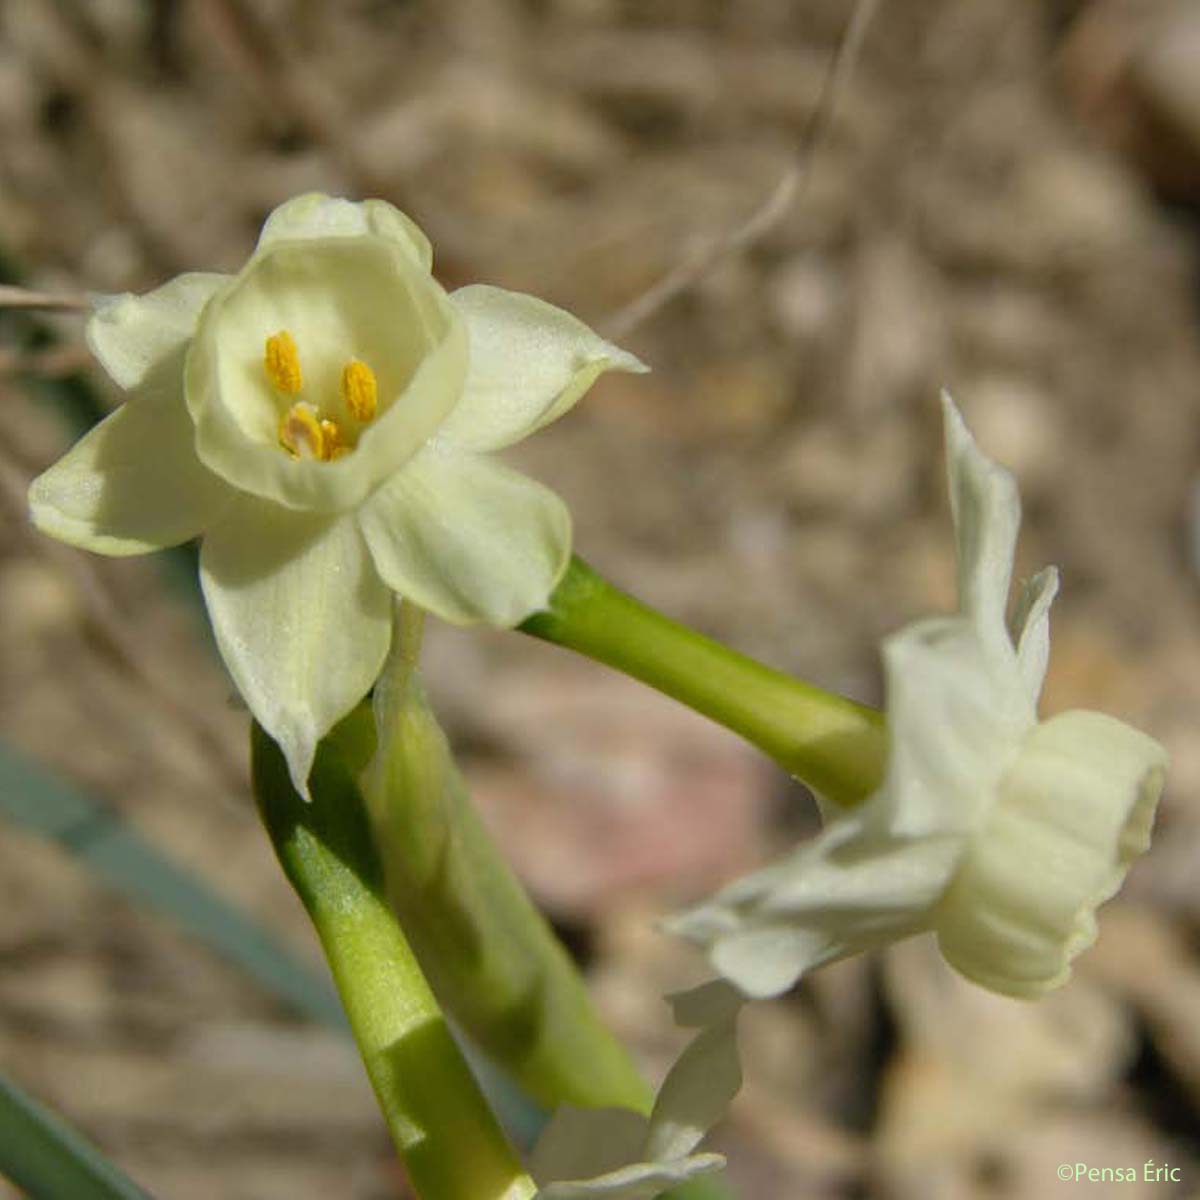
(301, 434)
(282, 362)
(334, 445)
(359, 390)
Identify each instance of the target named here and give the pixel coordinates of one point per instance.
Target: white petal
(468, 539)
(696, 1092)
(851, 888)
(956, 716)
(301, 618)
(529, 363)
(130, 335)
(1073, 813)
(315, 215)
(620, 1155)
(1031, 626)
(579, 1143)
(133, 483)
(769, 958)
(708, 1004)
(341, 299)
(987, 514)
(639, 1181)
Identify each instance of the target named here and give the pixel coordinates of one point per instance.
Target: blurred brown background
(1003, 203)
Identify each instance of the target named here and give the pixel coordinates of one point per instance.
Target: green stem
(491, 957)
(834, 745)
(439, 1121)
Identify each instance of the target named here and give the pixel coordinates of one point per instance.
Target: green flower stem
(441, 1125)
(834, 745)
(492, 959)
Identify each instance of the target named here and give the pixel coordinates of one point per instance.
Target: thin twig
(777, 202)
(19, 297)
(49, 362)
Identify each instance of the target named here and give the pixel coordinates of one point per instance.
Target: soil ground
(1001, 206)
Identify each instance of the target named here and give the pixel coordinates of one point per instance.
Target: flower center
(303, 432)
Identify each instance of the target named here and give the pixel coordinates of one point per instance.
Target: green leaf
(39, 803)
(48, 1160)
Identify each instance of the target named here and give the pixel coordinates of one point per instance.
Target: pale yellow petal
(468, 539)
(133, 483)
(1072, 814)
(956, 715)
(1031, 628)
(301, 618)
(987, 515)
(529, 363)
(849, 889)
(131, 335)
(315, 215)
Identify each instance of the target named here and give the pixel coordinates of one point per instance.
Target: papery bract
(616, 1154)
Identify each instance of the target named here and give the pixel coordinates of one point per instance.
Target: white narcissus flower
(1000, 833)
(617, 1154)
(323, 418)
